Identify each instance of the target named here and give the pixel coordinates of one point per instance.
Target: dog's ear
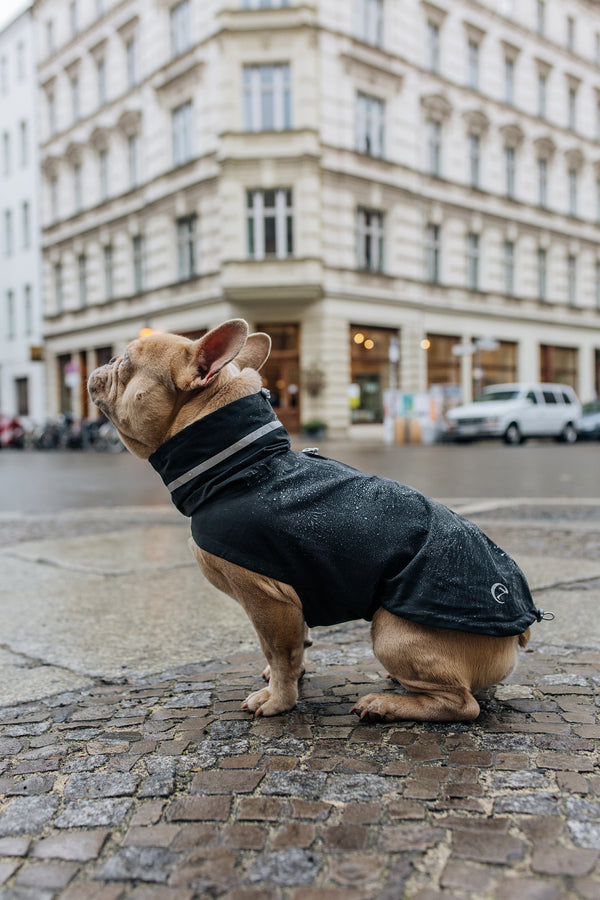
(210, 353)
(255, 353)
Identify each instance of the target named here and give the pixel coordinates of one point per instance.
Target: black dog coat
(347, 542)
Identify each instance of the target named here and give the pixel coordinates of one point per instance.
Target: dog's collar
(206, 454)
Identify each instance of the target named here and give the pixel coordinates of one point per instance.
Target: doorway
(281, 372)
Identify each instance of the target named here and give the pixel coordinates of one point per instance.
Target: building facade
(22, 383)
(402, 193)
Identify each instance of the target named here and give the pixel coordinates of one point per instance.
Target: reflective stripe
(224, 454)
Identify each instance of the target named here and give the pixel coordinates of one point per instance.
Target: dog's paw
(372, 707)
(261, 703)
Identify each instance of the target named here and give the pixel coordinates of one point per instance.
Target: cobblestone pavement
(161, 788)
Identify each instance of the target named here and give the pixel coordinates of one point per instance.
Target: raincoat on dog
(347, 542)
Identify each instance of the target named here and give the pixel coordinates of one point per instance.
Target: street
(47, 482)
(126, 758)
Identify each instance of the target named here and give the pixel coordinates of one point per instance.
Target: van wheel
(569, 434)
(512, 435)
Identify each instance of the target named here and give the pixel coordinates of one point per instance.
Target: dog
(301, 540)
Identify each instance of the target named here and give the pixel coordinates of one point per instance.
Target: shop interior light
(369, 344)
(359, 338)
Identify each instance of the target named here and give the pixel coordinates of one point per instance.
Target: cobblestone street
(159, 787)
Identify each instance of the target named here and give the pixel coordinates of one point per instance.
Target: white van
(515, 412)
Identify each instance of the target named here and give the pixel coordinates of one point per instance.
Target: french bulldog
(301, 540)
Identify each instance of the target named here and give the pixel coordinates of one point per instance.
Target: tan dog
(163, 384)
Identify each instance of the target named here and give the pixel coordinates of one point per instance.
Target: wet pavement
(128, 769)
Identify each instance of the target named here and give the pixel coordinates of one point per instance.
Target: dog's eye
(126, 357)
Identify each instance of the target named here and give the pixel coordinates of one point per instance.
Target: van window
(566, 397)
(549, 397)
(532, 396)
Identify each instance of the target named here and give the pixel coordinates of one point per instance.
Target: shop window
(497, 366)
(374, 369)
(559, 365)
(443, 367)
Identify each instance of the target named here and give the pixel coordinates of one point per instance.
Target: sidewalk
(154, 785)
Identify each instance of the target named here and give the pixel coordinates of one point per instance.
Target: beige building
(382, 185)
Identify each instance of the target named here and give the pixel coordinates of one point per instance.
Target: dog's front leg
(275, 611)
(280, 628)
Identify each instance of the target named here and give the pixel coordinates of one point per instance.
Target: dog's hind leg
(439, 667)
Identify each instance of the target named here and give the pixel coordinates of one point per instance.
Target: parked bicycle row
(62, 432)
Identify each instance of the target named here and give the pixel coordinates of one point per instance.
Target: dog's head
(163, 382)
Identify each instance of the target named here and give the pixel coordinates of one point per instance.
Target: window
(103, 173)
(75, 98)
(571, 34)
(541, 17)
(23, 142)
(542, 274)
(572, 280)
(26, 224)
(369, 248)
(6, 153)
(101, 79)
(369, 125)
(510, 171)
(598, 200)
(10, 316)
(269, 218)
(267, 98)
(28, 309)
(82, 279)
(108, 272)
(133, 162)
(572, 108)
(21, 61)
(4, 74)
(180, 28)
(186, 247)
(433, 47)
(473, 65)
(597, 284)
(432, 253)
(139, 263)
(434, 147)
(51, 114)
(509, 268)
(542, 92)
(77, 188)
(8, 233)
(54, 198)
(50, 41)
(58, 287)
(473, 261)
(509, 80)
(73, 18)
(572, 178)
(131, 62)
(182, 133)
(543, 182)
(369, 21)
(474, 160)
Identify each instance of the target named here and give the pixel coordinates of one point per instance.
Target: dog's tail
(524, 638)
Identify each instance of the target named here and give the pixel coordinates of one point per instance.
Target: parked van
(515, 412)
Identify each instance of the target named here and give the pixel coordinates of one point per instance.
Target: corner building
(374, 183)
